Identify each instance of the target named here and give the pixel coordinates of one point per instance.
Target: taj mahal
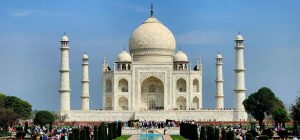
(152, 81)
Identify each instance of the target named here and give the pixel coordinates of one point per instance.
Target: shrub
(203, 133)
(20, 135)
(253, 132)
(230, 135)
(282, 134)
(223, 134)
(75, 132)
(249, 136)
(71, 136)
(263, 137)
(217, 134)
(96, 133)
(268, 132)
(4, 133)
(210, 132)
(83, 134)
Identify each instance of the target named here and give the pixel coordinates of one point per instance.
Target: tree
(2, 103)
(20, 107)
(7, 117)
(260, 103)
(295, 111)
(280, 115)
(44, 117)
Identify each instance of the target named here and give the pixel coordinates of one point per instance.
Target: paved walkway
(167, 137)
(133, 137)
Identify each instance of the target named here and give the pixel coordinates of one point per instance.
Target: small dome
(124, 57)
(85, 56)
(65, 38)
(180, 57)
(219, 55)
(239, 37)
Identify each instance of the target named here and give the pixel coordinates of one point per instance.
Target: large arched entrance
(152, 93)
(123, 103)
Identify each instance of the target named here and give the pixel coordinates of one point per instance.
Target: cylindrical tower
(64, 75)
(219, 83)
(85, 97)
(239, 74)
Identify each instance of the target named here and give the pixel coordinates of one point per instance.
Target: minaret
(64, 75)
(219, 83)
(239, 74)
(85, 97)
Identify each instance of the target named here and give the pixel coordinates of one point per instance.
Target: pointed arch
(108, 87)
(181, 103)
(123, 85)
(152, 93)
(195, 85)
(181, 85)
(123, 103)
(195, 103)
(108, 103)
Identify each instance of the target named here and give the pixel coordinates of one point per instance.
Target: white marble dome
(65, 38)
(85, 56)
(239, 37)
(180, 56)
(124, 57)
(219, 55)
(150, 39)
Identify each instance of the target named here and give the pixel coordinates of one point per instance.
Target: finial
(64, 33)
(151, 12)
(179, 48)
(239, 32)
(124, 48)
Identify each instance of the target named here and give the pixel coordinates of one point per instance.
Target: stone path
(167, 137)
(133, 137)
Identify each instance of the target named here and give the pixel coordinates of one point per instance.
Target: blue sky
(30, 32)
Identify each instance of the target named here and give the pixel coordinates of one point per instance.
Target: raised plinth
(108, 115)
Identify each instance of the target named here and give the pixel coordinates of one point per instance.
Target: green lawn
(123, 137)
(177, 137)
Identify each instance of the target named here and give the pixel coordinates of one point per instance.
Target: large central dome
(152, 42)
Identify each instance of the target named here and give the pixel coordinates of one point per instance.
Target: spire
(151, 12)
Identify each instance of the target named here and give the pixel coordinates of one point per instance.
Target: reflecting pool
(150, 137)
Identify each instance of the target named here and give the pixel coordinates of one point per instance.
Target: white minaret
(239, 74)
(85, 97)
(64, 75)
(219, 83)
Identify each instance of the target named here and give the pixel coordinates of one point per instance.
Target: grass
(123, 137)
(177, 137)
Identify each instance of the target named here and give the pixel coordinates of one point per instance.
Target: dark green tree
(295, 111)
(203, 133)
(217, 134)
(43, 117)
(280, 115)
(7, 117)
(210, 132)
(20, 107)
(260, 103)
(2, 103)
